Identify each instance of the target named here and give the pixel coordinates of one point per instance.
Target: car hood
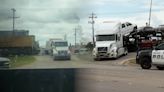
(104, 43)
(2, 59)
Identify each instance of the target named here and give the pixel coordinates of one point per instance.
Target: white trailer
(110, 42)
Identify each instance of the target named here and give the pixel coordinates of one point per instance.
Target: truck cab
(110, 43)
(60, 50)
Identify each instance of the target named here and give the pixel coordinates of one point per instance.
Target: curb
(126, 61)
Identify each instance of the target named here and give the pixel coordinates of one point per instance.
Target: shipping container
(18, 45)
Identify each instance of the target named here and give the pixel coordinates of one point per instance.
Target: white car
(127, 27)
(4, 62)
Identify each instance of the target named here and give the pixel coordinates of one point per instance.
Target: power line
(92, 17)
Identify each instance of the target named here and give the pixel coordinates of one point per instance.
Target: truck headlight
(55, 52)
(69, 52)
(114, 49)
(112, 45)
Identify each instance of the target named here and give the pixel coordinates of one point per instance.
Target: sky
(56, 18)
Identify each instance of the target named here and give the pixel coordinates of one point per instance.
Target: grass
(17, 61)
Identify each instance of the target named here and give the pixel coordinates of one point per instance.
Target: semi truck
(59, 49)
(18, 45)
(110, 43)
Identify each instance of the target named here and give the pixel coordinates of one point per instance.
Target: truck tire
(160, 67)
(69, 58)
(125, 52)
(97, 59)
(145, 63)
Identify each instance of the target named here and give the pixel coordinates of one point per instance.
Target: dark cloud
(69, 17)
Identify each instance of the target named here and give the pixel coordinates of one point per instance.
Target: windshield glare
(105, 37)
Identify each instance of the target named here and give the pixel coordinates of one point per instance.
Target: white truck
(59, 49)
(110, 43)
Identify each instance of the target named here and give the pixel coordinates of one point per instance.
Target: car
(4, 62)
(147, 58)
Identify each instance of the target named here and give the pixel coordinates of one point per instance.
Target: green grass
(17, 61)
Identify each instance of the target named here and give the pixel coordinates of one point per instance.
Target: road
(106, 75)
(77, 61)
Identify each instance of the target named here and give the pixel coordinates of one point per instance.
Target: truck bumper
(62, 57)
(105, 55)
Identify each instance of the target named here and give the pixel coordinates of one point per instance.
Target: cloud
(54, 18)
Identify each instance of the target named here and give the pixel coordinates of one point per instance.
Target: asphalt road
(77, 61)
(106, 75)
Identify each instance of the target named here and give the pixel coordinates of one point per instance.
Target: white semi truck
(59, 49)
(110, 42)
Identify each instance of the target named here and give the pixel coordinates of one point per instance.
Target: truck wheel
(97, 59)
(69, 58)
(54, 58)
(125, 52)
(145, 63)
(160, 67)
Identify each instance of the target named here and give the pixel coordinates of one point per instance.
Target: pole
(75, 37)
(150, 12)
(93, 22)
(13, 17)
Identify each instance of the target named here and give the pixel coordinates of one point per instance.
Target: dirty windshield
(81, 45)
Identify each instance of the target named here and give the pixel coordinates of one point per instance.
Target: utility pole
(92, 17)
(75, 36)
(65, 37)
(14, 10)
(150, 12)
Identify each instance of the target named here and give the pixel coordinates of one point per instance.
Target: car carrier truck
(110, 42)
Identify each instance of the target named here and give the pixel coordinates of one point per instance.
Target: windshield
(39, 38)
(60, 44)
(105, 38)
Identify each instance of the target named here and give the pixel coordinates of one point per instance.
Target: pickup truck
(147, 58)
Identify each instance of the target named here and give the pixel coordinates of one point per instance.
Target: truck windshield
(105, 37)
(60, 44)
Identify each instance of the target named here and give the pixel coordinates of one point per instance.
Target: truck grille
(62, 52)
(102, 49)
